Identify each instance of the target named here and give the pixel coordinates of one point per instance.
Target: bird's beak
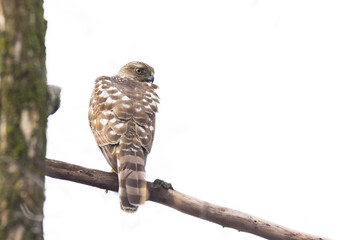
(151, 78)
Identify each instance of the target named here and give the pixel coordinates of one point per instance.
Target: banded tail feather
(132, 183)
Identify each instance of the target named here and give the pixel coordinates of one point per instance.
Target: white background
(259, 112)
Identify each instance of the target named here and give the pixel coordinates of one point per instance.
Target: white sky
(259, 112)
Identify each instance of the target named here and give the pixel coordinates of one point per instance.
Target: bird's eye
(139, 70)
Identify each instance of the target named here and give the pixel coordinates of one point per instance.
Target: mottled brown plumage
(122, 118)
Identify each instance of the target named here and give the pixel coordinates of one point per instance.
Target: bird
(122, 113)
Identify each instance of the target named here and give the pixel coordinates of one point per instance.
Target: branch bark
(163, 193)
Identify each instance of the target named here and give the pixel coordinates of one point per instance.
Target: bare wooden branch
(163, 193)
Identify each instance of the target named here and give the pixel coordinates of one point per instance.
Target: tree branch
(163, 193)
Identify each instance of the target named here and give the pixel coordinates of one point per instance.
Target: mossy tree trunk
(23, 118)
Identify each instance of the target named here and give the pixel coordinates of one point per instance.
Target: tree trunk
(23, 118)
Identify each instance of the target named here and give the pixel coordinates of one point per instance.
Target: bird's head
(137, 71)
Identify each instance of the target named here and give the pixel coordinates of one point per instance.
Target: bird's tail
(132, 183)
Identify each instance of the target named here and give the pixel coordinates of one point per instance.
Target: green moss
(22, 87)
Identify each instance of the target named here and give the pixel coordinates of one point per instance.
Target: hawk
(122, 118)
